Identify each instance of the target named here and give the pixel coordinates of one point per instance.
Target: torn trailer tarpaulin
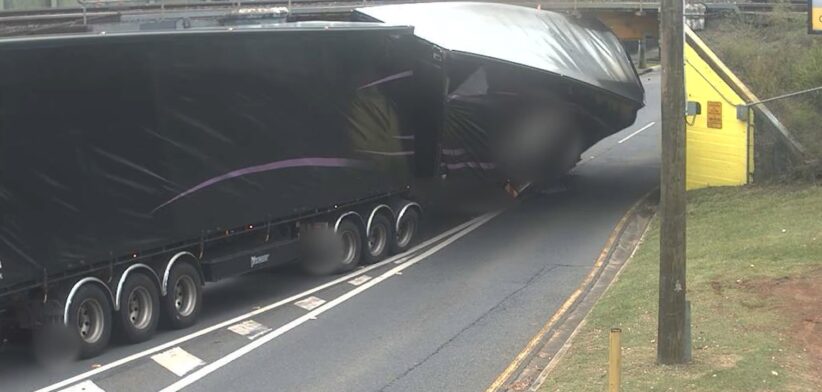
(527, 90)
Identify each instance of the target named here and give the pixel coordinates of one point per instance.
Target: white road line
(360, 280)
(85, 386)
(224, 324)
(623, 140)
(250, 329)
(178, 361)
(211, 367)
(310, 303)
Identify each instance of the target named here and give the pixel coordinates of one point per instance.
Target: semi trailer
(136, 167)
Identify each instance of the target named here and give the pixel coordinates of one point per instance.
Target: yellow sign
(815, 14)
(715, 114)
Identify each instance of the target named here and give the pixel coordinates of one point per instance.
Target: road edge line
(312, 315)
(516, 365)
(227, 323)
(543, 375)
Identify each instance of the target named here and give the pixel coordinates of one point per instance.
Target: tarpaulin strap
(202, 247)
(511, 190)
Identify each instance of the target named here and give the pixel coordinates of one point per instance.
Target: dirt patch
(724, 361)
(716, 286)
(799, 300)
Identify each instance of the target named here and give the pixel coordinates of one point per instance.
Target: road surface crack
(544, 270)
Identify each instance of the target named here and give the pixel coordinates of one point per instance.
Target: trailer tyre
(378, 240)
(54, 343)
(350, 251)
(139, 309)
(406, 231)
(341, 254)
(184, 296)
(90, 320)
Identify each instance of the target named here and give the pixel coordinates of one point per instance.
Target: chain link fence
(787, 141)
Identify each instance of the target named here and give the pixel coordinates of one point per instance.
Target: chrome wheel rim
(405, 232)
(90, 320)
(140, 308)
(377, 240)
(185, 296)
(349, 247)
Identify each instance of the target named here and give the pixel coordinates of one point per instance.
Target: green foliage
(774, 55)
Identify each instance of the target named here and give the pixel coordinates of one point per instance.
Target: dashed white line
(359, 280)
(178, 361)
(249, 328)
(310, 303)
(133, 357)
(623, 140)
(213, 366)
(85, 386)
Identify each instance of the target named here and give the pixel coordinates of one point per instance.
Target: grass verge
(755, 284)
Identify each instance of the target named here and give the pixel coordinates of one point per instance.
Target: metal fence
(788, 138)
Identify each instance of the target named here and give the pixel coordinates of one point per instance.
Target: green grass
(736, 238)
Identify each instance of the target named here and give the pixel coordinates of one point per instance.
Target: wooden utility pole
(672, 340)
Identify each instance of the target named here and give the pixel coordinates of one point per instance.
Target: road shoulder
(529, 368)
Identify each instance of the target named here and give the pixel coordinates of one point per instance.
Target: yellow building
(719, 145)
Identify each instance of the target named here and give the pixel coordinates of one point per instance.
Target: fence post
(614, 359)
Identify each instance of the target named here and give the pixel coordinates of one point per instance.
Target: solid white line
(623, 140)
(263, 309)
(85, 386)
(206, 370)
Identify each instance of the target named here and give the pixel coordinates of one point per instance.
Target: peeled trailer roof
(578, 48)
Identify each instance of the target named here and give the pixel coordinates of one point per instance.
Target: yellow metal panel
(717, 143)
(816, 16)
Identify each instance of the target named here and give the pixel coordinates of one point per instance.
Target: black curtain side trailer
(134, 167)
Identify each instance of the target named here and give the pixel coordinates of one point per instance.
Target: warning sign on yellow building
(815, 16)
(715, 114)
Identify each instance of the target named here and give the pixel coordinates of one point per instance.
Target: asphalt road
(450, 317)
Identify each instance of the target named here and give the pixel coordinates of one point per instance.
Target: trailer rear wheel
(183, 300)
(55, 344)
(378, 239)
(139, 309)
(341, 254)
(406, 230)
(90, 319)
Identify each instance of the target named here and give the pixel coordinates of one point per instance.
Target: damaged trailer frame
(150, 163)
(525, 90)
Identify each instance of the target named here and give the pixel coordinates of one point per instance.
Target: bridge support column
(643, 63)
